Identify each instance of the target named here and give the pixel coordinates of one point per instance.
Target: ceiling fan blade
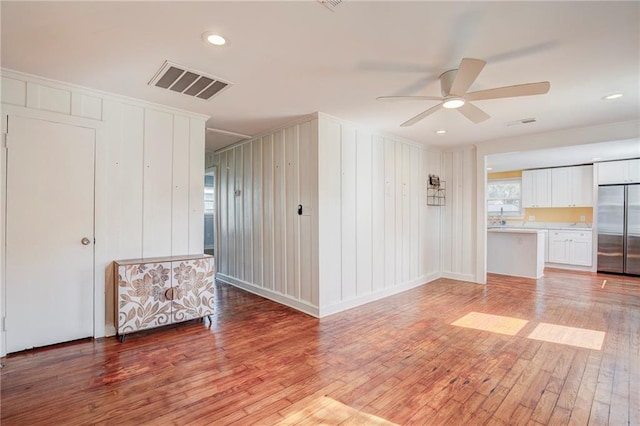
(510, 91)
(473, 113)
(420, 116)
(409, 98)
(388, 66)
(466, 75)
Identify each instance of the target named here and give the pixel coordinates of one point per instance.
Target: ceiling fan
(454, 85)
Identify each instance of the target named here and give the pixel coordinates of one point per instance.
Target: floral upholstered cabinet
(160, 291)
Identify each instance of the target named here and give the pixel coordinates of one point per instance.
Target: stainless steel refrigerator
(619, 229)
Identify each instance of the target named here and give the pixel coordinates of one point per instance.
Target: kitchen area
(584, 217)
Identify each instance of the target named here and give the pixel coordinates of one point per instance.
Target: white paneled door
(50, 233)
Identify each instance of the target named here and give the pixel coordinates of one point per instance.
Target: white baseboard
(328, 310)
(568, 267)
(381, 294)
(459, 277)
(270, 294)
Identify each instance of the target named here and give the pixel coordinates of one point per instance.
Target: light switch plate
(532, 218)
(581, 218)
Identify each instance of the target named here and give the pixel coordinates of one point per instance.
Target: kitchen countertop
(545, 226)
(517, 230)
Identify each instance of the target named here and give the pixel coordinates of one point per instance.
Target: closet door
(50, 214)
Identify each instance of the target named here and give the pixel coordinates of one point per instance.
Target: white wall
(263, 245)
(459, 224)
(149, 174)
(377, 237)
(365, 232)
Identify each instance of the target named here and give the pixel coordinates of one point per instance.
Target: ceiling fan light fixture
(452, 103)
(454, 86)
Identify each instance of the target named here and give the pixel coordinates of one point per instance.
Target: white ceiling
(289, 59)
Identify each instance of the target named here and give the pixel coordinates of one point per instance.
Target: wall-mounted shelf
(437, 195)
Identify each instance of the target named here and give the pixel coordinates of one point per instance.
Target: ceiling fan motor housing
(446, 80)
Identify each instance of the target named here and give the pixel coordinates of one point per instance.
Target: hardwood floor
(399, 359)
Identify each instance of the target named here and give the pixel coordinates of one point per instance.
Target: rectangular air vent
(330, 4)
(187, 81)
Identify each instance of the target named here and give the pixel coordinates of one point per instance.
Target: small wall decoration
(436, 191)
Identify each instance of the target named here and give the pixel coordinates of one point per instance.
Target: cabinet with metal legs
(159, 291)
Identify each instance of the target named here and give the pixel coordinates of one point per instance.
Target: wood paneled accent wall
(459, 226)
(365, 231)
(263, 244)
(149, 174)
(377, 236)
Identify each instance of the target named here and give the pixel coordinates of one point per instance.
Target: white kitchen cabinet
(536, 188)
(624, 171)
(570, 247)
(572, 186)
(558, 247)
(580, 251)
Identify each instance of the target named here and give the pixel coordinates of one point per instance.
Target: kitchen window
(504, 198)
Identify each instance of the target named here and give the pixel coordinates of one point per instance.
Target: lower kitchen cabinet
(570, 247)
(160, 291)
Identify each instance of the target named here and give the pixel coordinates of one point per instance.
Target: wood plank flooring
(399, 359)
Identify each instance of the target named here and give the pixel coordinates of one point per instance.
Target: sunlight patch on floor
(579, 337)
(493, 323)
(328, 411)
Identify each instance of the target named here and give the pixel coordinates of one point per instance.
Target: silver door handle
(85, 241)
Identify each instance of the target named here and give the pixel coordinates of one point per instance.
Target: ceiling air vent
(187, 81)
(330, 4)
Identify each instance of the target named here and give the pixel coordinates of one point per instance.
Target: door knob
(85, 241)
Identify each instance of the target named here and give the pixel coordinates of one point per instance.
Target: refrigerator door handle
(632, 230)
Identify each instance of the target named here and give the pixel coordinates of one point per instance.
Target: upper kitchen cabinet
(625, 171)
(572, 186)
(536, 188)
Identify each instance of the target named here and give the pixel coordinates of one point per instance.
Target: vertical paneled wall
(458, 230)
(156, 177)
(157, 184)
(149, 174)
(264, 245)
(376, 235)
(123, 160)
(150, 169)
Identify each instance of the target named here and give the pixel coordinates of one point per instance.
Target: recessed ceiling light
(213, 38)
(612, 96)
(489, 168)
(453, 103)
(441, 131)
